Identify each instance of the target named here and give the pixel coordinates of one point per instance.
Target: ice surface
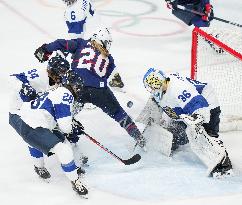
(145, 35)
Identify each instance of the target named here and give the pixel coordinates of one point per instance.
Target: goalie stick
(129, 161)
(202, 14)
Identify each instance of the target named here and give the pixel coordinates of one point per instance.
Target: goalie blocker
(191, 108)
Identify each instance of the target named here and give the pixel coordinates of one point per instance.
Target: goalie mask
(103, 37)
(57, 67)
(154, 80)
(69, 2)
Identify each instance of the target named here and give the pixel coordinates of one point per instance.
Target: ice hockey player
(189, 18)
(93, 63)
(39, 117)
(28, 85)
(82, 21)
(194, 105)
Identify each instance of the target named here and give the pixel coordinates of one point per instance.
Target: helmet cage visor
(153, 83)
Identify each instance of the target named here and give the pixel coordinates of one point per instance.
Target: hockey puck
(130, 104)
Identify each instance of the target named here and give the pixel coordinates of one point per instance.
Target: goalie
(185, 111)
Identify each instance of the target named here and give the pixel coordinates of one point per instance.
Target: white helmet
(153, 80)
(103, 37)
(69, 2)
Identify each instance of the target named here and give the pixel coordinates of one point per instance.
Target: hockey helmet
(57, 67)
(103, 37)
(69, 2)
(153, 80)
(73, 80)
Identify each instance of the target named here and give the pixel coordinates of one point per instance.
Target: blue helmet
(57, 67)
(153, 80)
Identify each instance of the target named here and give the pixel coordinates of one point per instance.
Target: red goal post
(216, 58)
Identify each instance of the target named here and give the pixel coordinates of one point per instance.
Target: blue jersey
(192, 18)
(53, 108)
(88, 62)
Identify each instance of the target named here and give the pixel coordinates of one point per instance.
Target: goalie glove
(42, 54)
(192, 120)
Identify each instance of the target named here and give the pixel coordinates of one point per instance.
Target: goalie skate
(223, 169)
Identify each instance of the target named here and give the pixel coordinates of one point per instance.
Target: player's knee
(63, 152)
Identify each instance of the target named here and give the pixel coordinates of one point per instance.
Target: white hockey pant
(65, 155)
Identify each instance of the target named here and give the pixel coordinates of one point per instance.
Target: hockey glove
(77, 128)
(192, 120)
(42, 54)
(72, 138)
(27, 92)
(208, 10)
(171, 4)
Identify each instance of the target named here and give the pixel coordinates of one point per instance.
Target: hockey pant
(42, 140)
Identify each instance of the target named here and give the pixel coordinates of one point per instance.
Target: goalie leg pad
(209, 149)
(158, 139)
(150, 113)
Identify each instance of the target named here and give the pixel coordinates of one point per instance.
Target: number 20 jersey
(88, 62)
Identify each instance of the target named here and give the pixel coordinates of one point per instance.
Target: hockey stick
(129, 161)
(202, 14)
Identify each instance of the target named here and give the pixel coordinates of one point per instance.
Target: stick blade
(132, 160)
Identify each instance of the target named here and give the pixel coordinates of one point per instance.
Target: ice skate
(81, 172)
(84, 160)
(80, 188)
(42, 172)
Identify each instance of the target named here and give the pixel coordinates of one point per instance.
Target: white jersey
(53, 108)
(81, 19)
(185, 96)
(37, 78)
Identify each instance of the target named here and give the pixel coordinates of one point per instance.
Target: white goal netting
(217, 59)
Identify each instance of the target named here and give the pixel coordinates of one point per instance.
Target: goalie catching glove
(77, 129)
(42, 54)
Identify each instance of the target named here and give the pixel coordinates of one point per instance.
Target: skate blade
(45, 180)
(83, 196)
(227, 174)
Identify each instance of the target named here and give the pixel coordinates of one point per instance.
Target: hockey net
(217, 60)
